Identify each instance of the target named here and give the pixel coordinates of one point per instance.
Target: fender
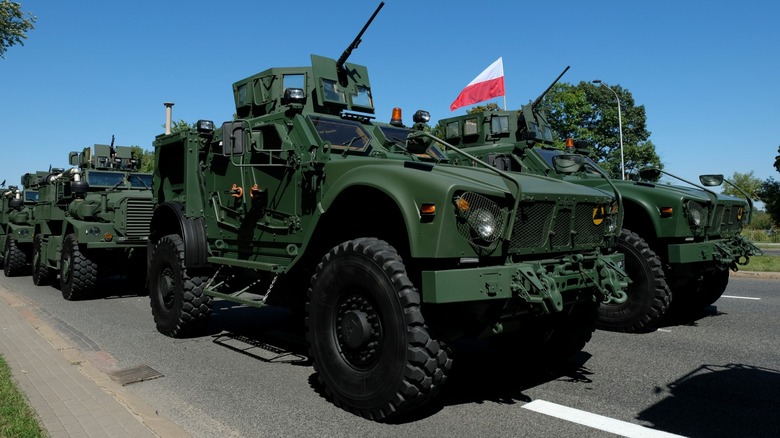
(169, 218)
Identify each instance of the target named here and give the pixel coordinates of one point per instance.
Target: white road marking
(741, 298)
(596, 421)
(663, 330)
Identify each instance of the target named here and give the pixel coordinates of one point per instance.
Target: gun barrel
(343, 58)
(539, 99)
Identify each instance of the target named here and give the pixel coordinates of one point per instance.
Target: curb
(756, 274)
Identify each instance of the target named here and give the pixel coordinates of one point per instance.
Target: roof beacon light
(396, 119)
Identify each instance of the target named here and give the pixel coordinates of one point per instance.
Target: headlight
(695, 213)
(92, 231)
(484, 225)
(479, 220)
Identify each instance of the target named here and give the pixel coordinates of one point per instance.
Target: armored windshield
(590, 165)
(102, 178)
(397, 136)
(141, 180)
(31, 195)
(342, 134)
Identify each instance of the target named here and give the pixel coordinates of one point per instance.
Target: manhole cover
(134, 374)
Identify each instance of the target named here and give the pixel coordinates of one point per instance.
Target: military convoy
(678, 241)
(391, 243)
(91, 220)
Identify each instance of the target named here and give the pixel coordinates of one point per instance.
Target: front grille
(718, 219)
(139, 216)
(532, 225)
(562, 229)
(586, 231)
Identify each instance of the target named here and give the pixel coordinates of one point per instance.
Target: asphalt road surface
(715, 374)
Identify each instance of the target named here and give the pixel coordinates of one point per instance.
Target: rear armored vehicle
(92, 220)
(678, 240)
(305, 200)
(16, 230)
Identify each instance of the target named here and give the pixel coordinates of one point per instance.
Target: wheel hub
(359, 331)
(355, 329)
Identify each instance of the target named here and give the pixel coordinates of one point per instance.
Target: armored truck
(92, 220)
(16, 230)
(390, 253)
(678, 240)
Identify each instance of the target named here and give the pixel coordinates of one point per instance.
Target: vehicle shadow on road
(719, 400)
(269, 334)
(676, 316)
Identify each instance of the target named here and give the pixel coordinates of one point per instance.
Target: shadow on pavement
(720, 401)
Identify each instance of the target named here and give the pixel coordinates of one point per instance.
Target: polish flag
(489, 84)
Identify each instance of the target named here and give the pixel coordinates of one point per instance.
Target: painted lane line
(663, 330)
(596, 421)
(741, 298)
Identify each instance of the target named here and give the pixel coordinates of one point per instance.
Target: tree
(777, 160)
(748, 182)
(13, 25)
(589, 112)
(769, 193)
(146, 157)
(492, 106)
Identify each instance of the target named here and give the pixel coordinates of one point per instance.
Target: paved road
(717, 374)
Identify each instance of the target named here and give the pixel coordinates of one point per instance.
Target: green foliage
(748, 182)
(16, 417)
(146, 157)
(763, 264)
(482, 108)
(769, 193)
(760, 221)
(777, 160)
(13, 25)
(589, 112)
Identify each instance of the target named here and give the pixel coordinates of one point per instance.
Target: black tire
(15, 260)
(179, 306)
(711, 287)
(41, 274)
(648, 293)
(78, 274)
(366, 333)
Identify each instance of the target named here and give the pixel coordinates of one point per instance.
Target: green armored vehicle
(677, 241)
(16, 230)
(92, 219)
(305, 200)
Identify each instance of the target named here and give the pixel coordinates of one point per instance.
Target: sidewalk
(71, 396)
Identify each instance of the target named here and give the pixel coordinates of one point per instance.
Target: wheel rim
(358, 331)
(165, 288)
(65, 272)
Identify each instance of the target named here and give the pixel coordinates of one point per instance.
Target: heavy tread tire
(711, 288)
(78, 274)
(397, 365)
(15, 260)
(573, 330)
(649, 295)
(41, 274)
(179, 306)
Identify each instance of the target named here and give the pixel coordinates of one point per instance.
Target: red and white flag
(489, 84)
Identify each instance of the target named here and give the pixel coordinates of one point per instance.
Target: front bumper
(542, 283)
(726, 253)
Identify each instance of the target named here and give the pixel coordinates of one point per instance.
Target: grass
(760, 236)
(763, 264)
(16, 417)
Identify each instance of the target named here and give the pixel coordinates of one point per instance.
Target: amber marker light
(666, 211)
(108, 237)
(462, 204)
(740, 212)
(428, 209)
(569, 143)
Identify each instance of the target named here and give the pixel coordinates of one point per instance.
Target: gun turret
(539, 99)
(343, 58)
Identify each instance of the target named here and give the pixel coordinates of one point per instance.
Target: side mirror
(568, 164)
(649, 174)
(233, 138)
(711, 180)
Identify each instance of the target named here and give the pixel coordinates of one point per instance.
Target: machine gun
(343, 58)
(539, 99)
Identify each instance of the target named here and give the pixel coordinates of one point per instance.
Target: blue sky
(707, 73)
